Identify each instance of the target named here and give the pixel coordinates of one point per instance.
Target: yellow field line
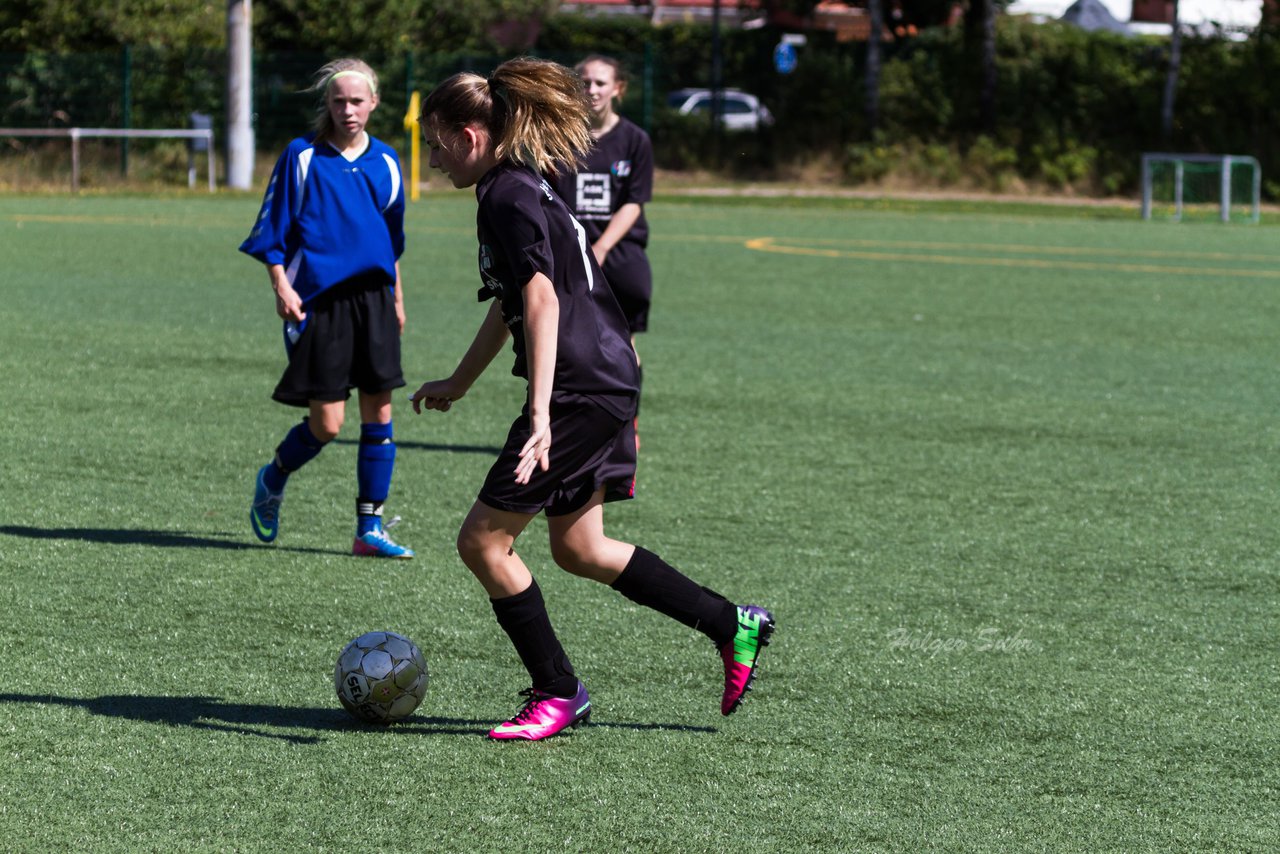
(770, 244)
(73, 219)
(766, 244)
(87, 220)
(1045, 250)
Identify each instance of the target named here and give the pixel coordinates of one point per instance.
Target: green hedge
(1075, 109)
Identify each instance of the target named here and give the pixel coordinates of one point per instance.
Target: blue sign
(784, 58)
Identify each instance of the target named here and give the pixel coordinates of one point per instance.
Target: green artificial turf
(1009, 483)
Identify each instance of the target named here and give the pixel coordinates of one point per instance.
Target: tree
(84, 25)
(875, 12)
(980, 46)
(1171, 78)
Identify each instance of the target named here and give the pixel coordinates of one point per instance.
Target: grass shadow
(212, 713)
(649, 727)
(488, 450)
(144, 537)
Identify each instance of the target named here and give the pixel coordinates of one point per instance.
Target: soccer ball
(380, 677)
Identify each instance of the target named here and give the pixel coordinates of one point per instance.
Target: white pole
(75, 160)
(1224, 189)
(1146, 187)
(213, 165)
(1257, 188)
(240, 144)
(1177, 191)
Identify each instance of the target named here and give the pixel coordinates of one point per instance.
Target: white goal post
(1226, 182)
(77, 134)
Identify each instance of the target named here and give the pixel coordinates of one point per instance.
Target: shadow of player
(212, 713)
(410, 445)
(144, 537)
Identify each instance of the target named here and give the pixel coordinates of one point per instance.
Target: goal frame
(77, 134)
(1224, 197)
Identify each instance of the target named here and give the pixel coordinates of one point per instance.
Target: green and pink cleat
(742, 654)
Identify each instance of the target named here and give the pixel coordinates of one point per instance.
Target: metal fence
(153, 89)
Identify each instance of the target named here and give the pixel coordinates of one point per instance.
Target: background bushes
(1074, 110)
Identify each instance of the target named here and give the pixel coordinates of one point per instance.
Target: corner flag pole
(411, 125)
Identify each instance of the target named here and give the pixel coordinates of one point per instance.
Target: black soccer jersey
(618, 170)
(524, 228)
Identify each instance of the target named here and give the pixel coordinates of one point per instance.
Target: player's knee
(326, 429)
(572, 556)
(474, 547)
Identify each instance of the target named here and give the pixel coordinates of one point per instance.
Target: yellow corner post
(411, 125)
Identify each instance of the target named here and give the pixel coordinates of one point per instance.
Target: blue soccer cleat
(376, 543)
(264, 514)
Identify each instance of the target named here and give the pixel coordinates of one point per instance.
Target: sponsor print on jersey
(621, 168)
(594, 195)
(486, 264)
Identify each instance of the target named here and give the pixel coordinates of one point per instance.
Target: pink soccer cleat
(543, 715)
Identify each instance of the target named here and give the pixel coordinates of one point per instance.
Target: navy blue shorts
(631, 279)
(590, 449)
(351, 340)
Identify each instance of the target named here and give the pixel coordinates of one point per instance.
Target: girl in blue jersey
(331, 233)
(572, 448)
(608, 189)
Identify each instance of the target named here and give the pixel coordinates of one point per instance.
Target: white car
(738, 110)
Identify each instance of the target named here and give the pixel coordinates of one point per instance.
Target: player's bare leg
(740, 632)
(556, 700)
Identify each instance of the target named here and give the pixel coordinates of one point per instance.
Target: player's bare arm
(288, 303)
(440, 394)
(541, 326)
(619, 225)
(399, 299)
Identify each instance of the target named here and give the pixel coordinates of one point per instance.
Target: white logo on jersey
(582, 247)
(595, 195)
(486, 264)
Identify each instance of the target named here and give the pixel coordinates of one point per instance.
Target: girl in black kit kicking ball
(573, 447)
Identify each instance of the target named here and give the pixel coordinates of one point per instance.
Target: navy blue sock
(374, 464)
(300, 446)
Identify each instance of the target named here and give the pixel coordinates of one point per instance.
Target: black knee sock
(651, 582)
(524, 618)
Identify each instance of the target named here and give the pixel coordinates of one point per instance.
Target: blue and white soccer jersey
(336, 224)
(329, 219)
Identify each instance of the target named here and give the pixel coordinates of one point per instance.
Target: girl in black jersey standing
(572, 448)
(609, 188)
